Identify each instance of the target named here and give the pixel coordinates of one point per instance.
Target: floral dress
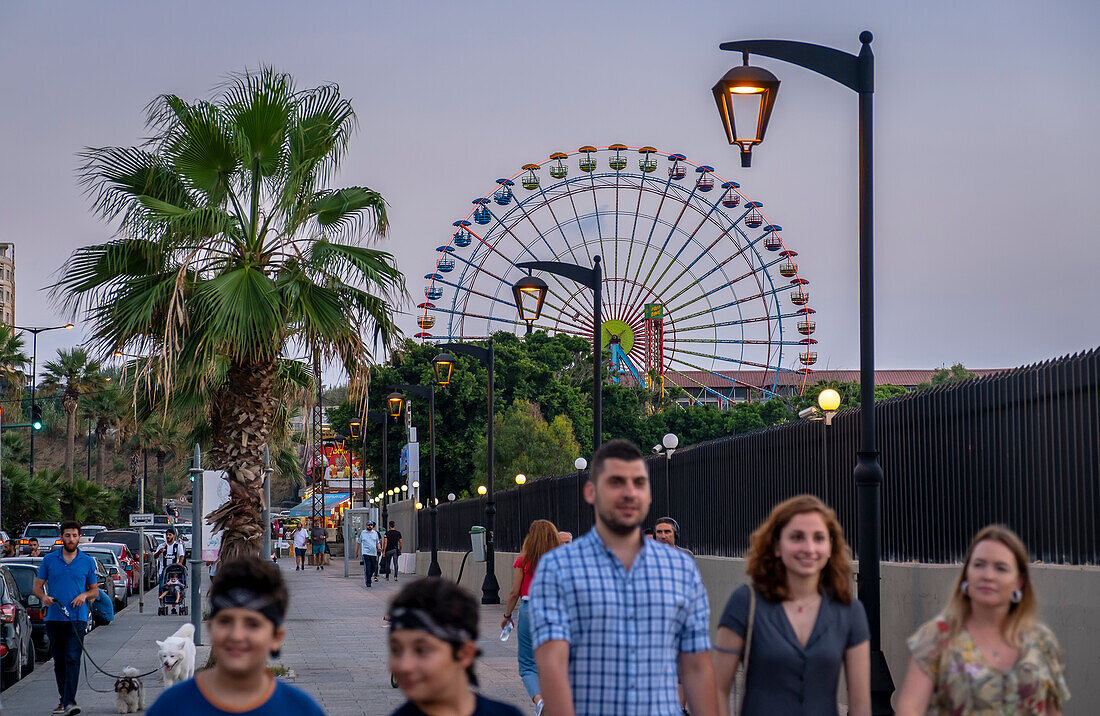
(965, 683)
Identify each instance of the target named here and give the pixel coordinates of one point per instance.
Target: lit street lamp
(531, 289)
(429, 393)
(490, 588)
(856, 72)
(668, 445)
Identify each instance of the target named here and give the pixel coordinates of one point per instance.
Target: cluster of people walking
(618, 624)
(615, 624)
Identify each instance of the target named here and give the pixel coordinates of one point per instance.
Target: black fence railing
(1020, 447)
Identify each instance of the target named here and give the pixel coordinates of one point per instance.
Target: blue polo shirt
(65, 580)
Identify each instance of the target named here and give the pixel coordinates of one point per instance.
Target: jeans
(390, 559)
(528, 672)
(370, 566)
(66, 640)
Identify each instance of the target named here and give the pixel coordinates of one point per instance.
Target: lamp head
(481, 489)
(396, 402)
(354, 426)
(444, 366)
(751, 91)
(670, 441)
(828, 399)
(580, 463)
(521, 479)
(529, 293)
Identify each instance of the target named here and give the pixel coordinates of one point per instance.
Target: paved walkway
(336, 644)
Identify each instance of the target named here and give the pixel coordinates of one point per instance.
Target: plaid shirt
(625, 629)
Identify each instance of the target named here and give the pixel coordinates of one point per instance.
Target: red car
(128, 559)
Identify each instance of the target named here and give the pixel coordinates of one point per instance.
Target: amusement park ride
(698, 285)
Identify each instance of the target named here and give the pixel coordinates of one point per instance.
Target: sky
(986, 207)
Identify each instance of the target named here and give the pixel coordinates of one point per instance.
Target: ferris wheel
(699, 286)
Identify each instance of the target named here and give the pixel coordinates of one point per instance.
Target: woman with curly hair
(541, 538)
(799, 618)
(987, 652)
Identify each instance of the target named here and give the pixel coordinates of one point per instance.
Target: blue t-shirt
(186, 699)
(65, 580)
(485, 707)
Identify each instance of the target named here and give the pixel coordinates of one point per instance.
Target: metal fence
(1020, 448)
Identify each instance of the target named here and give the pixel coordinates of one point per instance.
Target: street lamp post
(520, 481)
(856, 72)
(490, 588)
(382, 417)
(429, 393)
(34, 331)
(668, 445)
(531, 288)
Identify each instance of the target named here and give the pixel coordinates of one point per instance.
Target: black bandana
(242, 598)
(402, 618)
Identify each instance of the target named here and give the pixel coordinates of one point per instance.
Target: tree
(231, 253)
(107, 408)
(87, 502)
(73, 374)
(527, 444)
(954, 374)
(28, 499)
(13, 361)
(162, 433)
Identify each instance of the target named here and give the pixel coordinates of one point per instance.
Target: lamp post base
(490, 590)
(882, 686)
(433, 568)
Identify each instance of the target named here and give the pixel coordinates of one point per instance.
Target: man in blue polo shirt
(67, 584)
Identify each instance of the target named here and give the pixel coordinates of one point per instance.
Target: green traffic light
(37, 425)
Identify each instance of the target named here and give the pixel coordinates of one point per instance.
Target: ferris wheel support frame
(593, 278)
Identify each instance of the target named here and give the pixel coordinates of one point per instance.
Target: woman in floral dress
(987, 653)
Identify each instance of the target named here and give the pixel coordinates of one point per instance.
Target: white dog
(177, 655)
(130, 692)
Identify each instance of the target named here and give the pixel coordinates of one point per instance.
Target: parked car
(16, 645)
(128, 560)
(132, 540)
(45, 532)
(24, 570)
(117, 571)
(183, 531)
(87, 532)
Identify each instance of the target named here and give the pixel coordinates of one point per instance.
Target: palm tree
(232, 253)
(13, 362)
(73, 374)
(162, 433)
(108, 409)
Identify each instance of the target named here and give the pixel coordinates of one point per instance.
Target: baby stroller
(174, 592)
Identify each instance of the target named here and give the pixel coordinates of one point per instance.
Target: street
(335, 644)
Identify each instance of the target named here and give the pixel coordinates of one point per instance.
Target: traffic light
(36, 416)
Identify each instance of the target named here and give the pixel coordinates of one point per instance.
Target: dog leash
(87, 657)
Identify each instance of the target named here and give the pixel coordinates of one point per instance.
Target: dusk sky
(987, 154)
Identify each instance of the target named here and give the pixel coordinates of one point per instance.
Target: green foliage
(28, 499)
(527, 444)
(553, 374)
(953, 374)
(87, 502)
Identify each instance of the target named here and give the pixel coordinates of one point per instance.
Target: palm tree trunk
(240, 425)
(70, 436)
(100, 451)
(160, 480)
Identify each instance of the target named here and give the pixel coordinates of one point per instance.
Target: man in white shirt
(171, 552)
(368, 549)
(300, 537)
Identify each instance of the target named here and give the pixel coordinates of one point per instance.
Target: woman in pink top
(541, 538)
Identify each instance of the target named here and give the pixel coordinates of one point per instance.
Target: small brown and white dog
(130, 692)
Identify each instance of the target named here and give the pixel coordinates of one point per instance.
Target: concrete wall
(911, 594)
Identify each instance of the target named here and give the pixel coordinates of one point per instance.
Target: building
(7, 284)
(725, 387)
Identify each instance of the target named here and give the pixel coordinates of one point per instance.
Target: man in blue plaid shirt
(614, 616)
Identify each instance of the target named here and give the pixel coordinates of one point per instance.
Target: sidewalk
(336, 644)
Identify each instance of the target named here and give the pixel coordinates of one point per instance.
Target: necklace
(808, 603)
